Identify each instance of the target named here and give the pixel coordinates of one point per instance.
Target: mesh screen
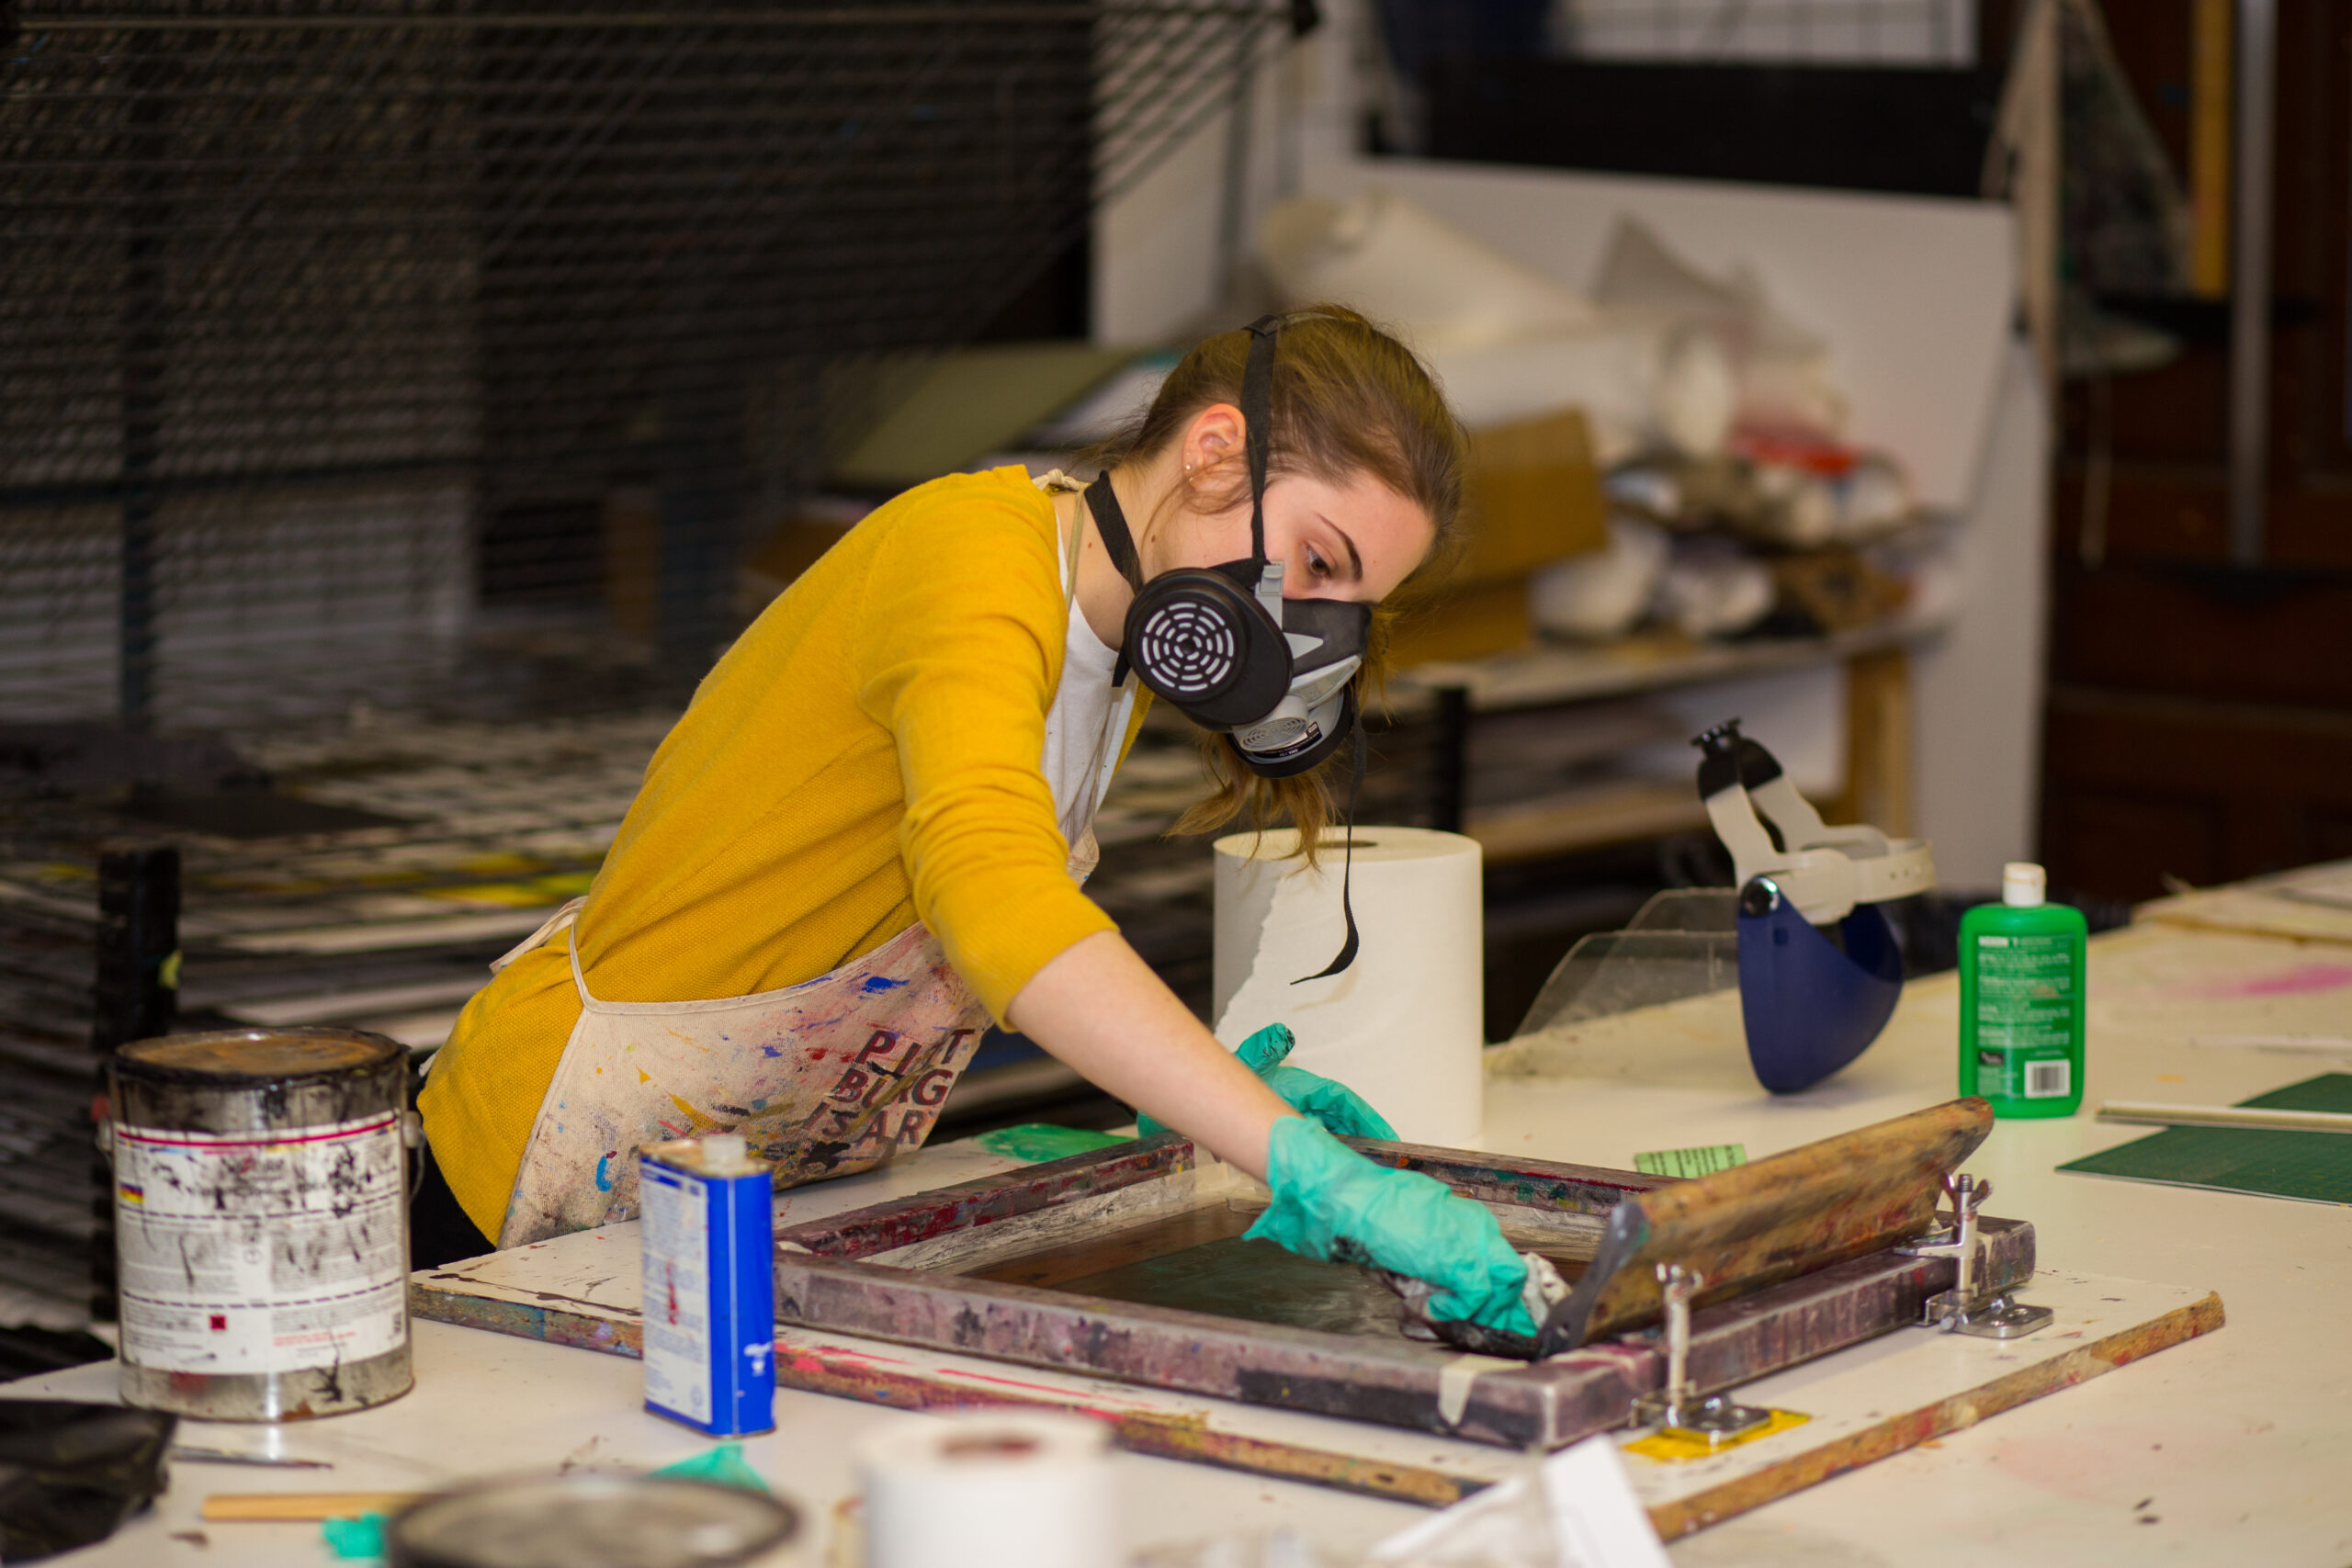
(328, 335)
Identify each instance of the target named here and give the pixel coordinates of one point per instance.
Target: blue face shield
(1811, 1002)
(1810, 1005)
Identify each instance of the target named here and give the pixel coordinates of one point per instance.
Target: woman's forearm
(1098, 1007)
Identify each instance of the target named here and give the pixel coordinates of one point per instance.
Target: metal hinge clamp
(1715, 1419)
(1962, 1310)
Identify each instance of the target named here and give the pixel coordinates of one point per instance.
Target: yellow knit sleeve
(961, 637)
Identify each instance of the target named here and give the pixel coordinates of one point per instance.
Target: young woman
(865, 838)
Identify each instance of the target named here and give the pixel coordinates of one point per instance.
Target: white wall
(1155, 271)
(1978, 688)
(1155, 248)
(1913, 294)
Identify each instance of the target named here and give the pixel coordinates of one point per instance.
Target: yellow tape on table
(1671, 1445)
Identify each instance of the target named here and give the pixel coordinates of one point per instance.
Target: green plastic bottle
(2021, 999)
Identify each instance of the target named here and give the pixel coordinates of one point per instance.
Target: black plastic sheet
(71, 1473)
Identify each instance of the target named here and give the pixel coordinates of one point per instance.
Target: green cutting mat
(2313, 1167)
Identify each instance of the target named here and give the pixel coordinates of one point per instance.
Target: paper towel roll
(1403, 1026)
(989, 1491)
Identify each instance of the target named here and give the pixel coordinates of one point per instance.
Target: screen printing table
(2227, 1448)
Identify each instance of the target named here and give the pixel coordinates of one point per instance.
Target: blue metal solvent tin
(709, 1236)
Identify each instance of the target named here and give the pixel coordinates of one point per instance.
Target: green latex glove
(1333, 1104)
(1331, 1202)
(1267, 1048)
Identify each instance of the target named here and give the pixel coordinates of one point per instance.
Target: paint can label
(709, 1301)
(263, 1252)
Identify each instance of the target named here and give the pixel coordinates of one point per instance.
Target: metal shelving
(322, 326)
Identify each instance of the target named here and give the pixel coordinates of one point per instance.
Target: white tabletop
(486, 1403)
(2235, 1445)
(2239, 1444)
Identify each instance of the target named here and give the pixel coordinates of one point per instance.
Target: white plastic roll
(1602, 594)
(1641, 383)
(989, 1491)
(1408, 268)
(1715, 592)
(1404, 1026)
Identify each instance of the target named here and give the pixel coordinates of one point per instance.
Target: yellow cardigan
(866, 755)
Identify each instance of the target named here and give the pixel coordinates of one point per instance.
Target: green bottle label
(2025, 1017)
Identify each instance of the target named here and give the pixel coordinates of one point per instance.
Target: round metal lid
(590, 1521)
(232, 1057)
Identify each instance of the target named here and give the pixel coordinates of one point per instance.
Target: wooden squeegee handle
(2251, 1117)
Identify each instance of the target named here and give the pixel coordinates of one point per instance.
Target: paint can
(261, 1221)
(614, 1521)
(708, 1238)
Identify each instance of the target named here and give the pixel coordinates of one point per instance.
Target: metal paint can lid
(591, 1521)
(238, 1058)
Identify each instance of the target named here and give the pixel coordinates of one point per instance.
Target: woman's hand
(1338, 1107)
(1331, 1202)
(1099, 1008)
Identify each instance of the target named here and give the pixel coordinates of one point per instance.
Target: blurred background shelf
(1652, 660)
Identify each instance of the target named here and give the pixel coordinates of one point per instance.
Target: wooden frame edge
(523, 1320)
(1185, 1437)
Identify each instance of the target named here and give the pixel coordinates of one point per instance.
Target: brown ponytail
(1347, 399)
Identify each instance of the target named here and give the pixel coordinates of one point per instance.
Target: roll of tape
(989, 1491)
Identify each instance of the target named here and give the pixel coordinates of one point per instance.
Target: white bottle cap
(2023, 884)
(724, 1152)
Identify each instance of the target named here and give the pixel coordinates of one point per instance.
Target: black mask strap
(1112, 524)
(1257, 400)
(1347, 873)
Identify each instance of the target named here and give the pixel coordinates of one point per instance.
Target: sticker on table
(1684, 1164)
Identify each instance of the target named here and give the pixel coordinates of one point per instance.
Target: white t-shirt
(1076, 725)
(1074, 741)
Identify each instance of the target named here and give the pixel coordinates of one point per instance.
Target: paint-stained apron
(825, 1078)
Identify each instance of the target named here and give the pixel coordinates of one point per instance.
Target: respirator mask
(1221, 645)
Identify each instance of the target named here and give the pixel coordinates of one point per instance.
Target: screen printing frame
(1799, 1252)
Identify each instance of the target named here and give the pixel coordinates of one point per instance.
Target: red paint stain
(962, 1376)
(2301, 980)
(836, 1353)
